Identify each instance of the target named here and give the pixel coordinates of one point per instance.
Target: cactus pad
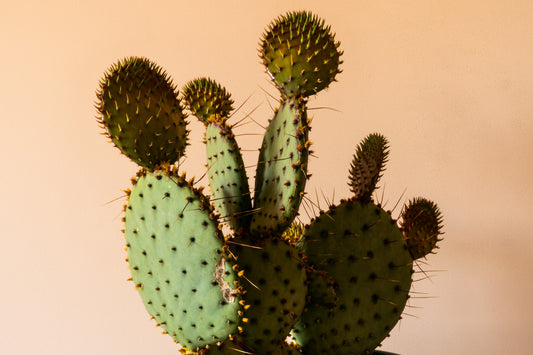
(300, 54)
(360, 247)
(367, 165)
(140, 111)
(421, 225)
(177, 260)
(207, 100)
(281, 170)
(274, 291)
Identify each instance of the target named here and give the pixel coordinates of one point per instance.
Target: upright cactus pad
(208, 100)
(367, 166)
(211, 103)
(300, 54)
(421, 225)
(359, 246)
(281, 170)
(139, 107)
(177, 260)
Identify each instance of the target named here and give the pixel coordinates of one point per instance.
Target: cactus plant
(339, 284)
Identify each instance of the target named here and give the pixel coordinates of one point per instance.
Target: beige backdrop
(450, 83)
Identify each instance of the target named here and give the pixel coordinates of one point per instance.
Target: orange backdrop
(450, 83)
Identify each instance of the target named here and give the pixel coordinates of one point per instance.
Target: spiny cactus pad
(177, 260)
(281, 170)
(300, 54)
(208, 100)
(211, 103)
(141, 113)
(227, 177)
(360, 247)
(367, 166)
(274, 291)
(421, 225)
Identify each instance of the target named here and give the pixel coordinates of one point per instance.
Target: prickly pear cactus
(338, 284)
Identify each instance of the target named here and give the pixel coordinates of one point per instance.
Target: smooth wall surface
(450, 83)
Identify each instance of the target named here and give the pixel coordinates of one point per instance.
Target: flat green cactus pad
(360, 247)
(281, 170)
(177, 261)
(139, 108)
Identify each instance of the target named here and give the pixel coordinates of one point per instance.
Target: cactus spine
(339, 283)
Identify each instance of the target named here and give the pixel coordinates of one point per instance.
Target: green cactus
(338, 284)
(139, 107)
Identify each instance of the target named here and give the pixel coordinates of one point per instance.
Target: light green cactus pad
(177, 260)
(281, 170)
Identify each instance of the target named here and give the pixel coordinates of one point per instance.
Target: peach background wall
(450, 83)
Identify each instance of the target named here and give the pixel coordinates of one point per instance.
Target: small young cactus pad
(421, 225)
(139, 107)
(211, 103)
(177, 260)
(300, 54)
(207, 100)
(367, 165)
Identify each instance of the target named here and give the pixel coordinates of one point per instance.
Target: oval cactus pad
(363, 251)
(176, 256)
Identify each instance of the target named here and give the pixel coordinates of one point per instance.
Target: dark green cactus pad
(274, 286)
(360, 247)
(207, 100)
(421, 225)
(139, 108)
(300, 54)
(281, 170)
(177, 260)
(367, 166)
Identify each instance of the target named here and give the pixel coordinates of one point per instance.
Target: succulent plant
(338, 284)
